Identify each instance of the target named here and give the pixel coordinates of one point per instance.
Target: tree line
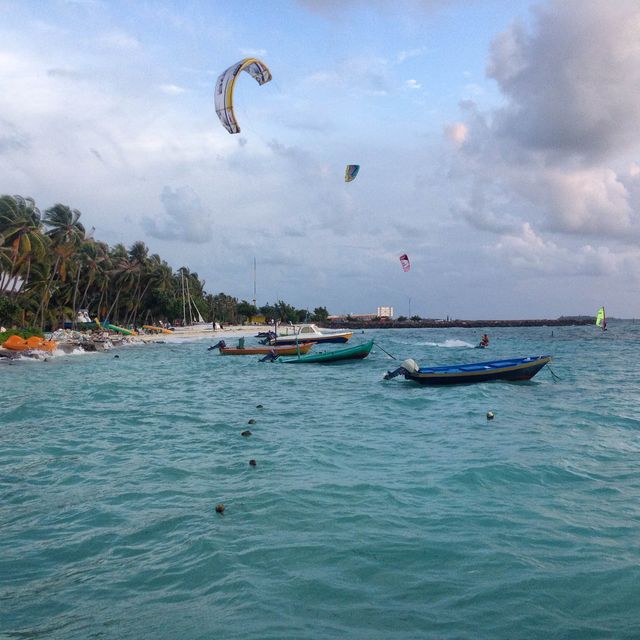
(50, 268)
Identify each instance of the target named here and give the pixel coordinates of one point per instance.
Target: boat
(261, 350)
(309, 333)
(16, 343)
(150, 327)
(83, 321)
(512, 370)
(192, 323)
(122, 330)
(339, 355)
(601, 319)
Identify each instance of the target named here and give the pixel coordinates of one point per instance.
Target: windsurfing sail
(601, 319)
(404, 261)
(225, 85)
(351, 172)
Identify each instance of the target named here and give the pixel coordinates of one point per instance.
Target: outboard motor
(268, 337)
(408, 366)
(272, 356)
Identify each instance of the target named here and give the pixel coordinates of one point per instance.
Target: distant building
(257, 319)
(382, 313)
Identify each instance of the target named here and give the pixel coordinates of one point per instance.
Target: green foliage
(268, 311)
(23, 333)
(9, 310)
(245, 310)
(401, 318)
(286, 312)
(50, 269)
(320, 314)
(416, 318)
(223, 307)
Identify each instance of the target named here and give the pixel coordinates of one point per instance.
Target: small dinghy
(241, 350)
(358, 352)
(515, 369)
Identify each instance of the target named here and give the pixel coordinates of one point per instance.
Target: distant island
(427, 323)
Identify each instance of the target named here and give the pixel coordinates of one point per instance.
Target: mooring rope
(555, 377)
(381, 349)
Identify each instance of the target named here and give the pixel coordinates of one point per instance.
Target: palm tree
(93, 254)
(21, 226)
(66, 232)
(138, 255)
(64, 224)
(125, 273)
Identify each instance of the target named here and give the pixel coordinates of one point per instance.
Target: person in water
(485, 341)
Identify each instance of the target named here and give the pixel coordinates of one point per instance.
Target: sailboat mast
(190, 310)
(254, 282)
(184, 307)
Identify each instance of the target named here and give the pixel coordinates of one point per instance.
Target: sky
(499, 145)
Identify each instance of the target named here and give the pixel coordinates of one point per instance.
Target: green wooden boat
(352, 353)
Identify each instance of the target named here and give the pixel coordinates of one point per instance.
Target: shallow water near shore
(377, 509)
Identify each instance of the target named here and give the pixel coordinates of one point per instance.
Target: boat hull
(338, 338)
(514, 370)
(339, 355)
(150, 327)
(256, 351)
(16, 343)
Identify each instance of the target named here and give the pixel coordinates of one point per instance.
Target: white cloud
(412, 84)
(589, 201)
(573, 81)
(119, 40)
(411, 53)
(457, 133)
(528, 252)
(555, 152)
(172, 89)
(184, 218)
(360, 74)
(253, 53)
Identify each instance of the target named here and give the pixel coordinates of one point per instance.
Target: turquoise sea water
(376, 509)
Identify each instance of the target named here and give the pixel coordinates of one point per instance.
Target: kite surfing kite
(351, 172)
(404, 261)
(225, 85)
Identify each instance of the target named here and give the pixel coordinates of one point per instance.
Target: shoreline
(448, 324)
(114, 341)
(72, 342)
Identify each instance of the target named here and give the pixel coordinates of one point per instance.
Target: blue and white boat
(512, 370)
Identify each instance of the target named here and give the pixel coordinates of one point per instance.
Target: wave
(449, 344)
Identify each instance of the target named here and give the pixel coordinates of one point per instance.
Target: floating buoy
(246, 433)
(116, 356)
(253, 463)
(490, 415)
(219, 508)
(251, 421)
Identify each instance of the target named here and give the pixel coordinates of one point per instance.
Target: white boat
(309, 333)
(196, 327)
(192, 320)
